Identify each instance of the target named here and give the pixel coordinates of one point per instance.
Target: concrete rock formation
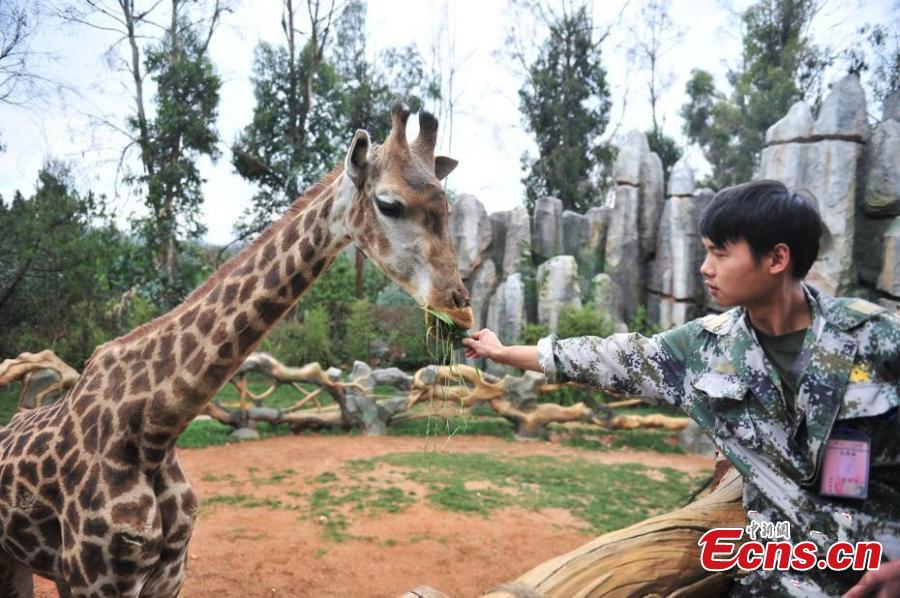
(823, 162)
(557, 286)
(470, 229)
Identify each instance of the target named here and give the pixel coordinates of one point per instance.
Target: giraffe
(91, 492)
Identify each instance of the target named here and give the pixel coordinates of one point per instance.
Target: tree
(19, 83)
(566, 102)
(182, 131)
(780, 65)
(295, 133)
(171, 140)
(653, 36)
(368, 89)
(56, 256)
(876, 59)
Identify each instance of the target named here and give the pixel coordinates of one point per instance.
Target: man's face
(732, 275)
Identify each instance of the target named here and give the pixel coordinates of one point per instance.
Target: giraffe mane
(231, 264)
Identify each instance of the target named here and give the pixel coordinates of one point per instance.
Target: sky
(77, 124)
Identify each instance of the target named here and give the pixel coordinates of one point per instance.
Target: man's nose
(705, 268)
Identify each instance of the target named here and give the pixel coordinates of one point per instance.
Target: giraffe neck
(172, 367)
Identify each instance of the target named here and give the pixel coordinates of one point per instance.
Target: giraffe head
(398, 213)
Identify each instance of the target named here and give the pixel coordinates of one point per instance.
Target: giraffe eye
(391, 209)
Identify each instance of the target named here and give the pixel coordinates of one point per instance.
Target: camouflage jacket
(715, 370)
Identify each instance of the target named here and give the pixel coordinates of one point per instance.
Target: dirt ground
(254, 552)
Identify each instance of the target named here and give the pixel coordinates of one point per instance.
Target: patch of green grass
(363, 498)
(244, 501)
(206, 432)
(660, 441)
(382, 390)
(209, 432)
(453, 426)
(606, 497)
(328, 506)
(275, 478)
(325, 477)
(228, 477)
(282, 397)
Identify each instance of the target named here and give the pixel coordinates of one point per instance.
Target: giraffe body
(91, 492)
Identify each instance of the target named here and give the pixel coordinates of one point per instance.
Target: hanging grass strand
(441, 338)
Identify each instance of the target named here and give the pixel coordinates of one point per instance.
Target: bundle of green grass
(444, 332)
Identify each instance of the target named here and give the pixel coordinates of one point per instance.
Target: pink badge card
(845, 467)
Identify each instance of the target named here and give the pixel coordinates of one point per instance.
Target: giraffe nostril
(460, 298)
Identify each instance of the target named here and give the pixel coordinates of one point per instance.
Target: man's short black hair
(765, 213)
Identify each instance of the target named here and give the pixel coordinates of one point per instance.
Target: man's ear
(357, 162)
(443, 166)
(781, 259)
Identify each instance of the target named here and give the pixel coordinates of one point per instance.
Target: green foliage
(583, 321)
(368, 88)
(293, 139)
(392, 295)
(779, 66)
(9, 402)
(297, 342)
(642, 324)
(666, 148)
(566, 103)
(408, 339)
(532, 333)
(58, 269)
(359, 331)
(309, 100)
(209, 432)
(182, 132)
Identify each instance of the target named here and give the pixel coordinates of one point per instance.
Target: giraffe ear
(357, 162)
(443, 166)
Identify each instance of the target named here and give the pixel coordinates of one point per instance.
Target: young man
(785, 378)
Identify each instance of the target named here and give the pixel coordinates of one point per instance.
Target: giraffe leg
(15, 579)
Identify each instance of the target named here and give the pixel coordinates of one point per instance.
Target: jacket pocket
(724, 396)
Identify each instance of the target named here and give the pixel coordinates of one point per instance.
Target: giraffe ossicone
(91, 492)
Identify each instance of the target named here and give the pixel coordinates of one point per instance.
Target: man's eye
(391, 209)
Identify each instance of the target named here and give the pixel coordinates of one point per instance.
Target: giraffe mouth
(442, 324)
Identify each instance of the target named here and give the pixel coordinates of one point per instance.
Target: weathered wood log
(656, 557)
(32, 370)
(516, 400)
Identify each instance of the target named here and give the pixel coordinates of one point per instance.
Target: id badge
(845, 466)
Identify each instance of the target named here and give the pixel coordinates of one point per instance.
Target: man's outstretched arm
(631, 364)
(486, 344)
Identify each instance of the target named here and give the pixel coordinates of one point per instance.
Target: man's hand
(483, 343)
(881, 583)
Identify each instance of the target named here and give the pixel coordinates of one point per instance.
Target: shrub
(359, 332)
(296, 343)
(532, 333)
(641, 324)
(583, 321)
